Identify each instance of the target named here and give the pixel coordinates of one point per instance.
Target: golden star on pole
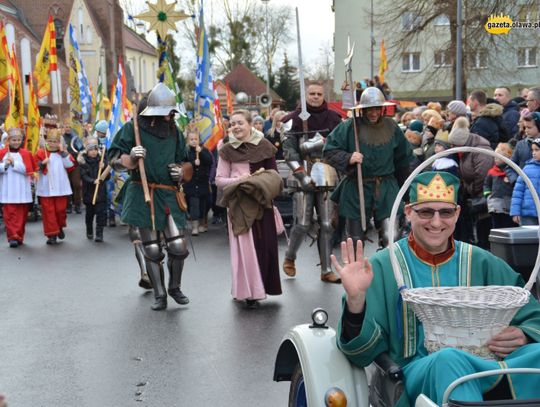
(162, 17)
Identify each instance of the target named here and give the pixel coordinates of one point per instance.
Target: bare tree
(418, 20)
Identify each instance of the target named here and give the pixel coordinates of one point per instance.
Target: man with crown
(384, 155)
(375, 320)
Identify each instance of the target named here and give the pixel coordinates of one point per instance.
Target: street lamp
(267, 50)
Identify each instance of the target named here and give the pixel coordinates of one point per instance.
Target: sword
(304, 114)
(348, 64)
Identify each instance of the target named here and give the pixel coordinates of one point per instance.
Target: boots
(89, 231)
(160, 303)
(195, 228)
(99, 234)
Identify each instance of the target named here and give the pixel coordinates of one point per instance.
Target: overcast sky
(316, 25)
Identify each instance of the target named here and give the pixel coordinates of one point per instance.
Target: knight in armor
(303, 151)
(384, 156)
(160, 224)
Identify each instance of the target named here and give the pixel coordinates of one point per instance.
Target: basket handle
(430, 160)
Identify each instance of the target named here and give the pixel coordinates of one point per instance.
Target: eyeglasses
(429, 213)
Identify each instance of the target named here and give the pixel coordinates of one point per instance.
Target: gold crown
(436, 190)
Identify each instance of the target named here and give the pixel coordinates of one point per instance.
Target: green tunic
(386, 152)
(159, 153)
(384, 329)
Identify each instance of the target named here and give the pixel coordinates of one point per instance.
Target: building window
(442, 58)
(89, 36)
(526, 56)
(410, 21)
(442, 20)
(410, 62)
(478, 59)
(528, 13)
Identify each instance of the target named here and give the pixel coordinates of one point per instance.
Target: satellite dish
(241, 98)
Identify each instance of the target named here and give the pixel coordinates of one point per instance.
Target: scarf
(254, 138)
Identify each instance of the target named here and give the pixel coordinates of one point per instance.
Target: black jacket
(200, 182)
(510, 118)
(89, 172)
(488, 124)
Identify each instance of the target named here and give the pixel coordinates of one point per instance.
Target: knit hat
(416, 125)
(102, 126)
(504, 149)
(457, 107)
(442, 139)
(433, 186)
(460, 132)
(414, 137)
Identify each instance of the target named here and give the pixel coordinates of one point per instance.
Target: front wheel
(297, 392)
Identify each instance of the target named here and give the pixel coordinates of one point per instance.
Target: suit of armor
(313, 181)
(160, 225)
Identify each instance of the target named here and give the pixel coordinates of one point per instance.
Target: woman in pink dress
(254, 254)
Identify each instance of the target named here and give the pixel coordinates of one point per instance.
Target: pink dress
(246, 276)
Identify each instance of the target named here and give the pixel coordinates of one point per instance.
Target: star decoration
(162, 17)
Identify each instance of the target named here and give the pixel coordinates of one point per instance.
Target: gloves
(176, 172)
(137, 152)
(306, 183)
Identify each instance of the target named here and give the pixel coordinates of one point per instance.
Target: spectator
(407, 118)
(275, 135)
(435, 106)
(270, 119)
(474, 168)
(510, 110)
(523, 210)
(448, 163)
(533, 100)
(487, 119)
(498, 190)
(455, 109)
(434, 123)
(414, 136)
(258, 123)
(521, 126)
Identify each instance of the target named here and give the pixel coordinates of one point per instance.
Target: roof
(241, 79)
(134, 41)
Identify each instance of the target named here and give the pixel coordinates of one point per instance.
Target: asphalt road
(76, 330)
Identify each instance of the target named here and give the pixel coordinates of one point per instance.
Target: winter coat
(475, 166)
(199, 185)
(510, 118)
(522, 201)
(275, 139)
(89, 173)
(522, 153)
(488, 124)
(498, 190)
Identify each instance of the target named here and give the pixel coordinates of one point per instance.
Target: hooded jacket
(488, 124)
(510, 118)
(475, 166)
(522, 201)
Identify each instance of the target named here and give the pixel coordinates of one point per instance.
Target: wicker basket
(462, 317)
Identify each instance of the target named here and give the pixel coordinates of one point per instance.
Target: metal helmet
(372, 97)
(161, 102)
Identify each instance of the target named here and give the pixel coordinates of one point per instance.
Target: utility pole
(372, 37)
(459, 55)
(267, 50)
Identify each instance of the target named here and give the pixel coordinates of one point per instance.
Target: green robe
(403, 338)
(383, 157)
(159, 153)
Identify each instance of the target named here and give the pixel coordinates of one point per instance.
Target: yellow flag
(15, 116)
(4, 63)
(383, 65)
(32, 128)
(46, 61)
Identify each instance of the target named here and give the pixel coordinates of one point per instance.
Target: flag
(75, 107)
(98, 99)
(15, 115)
(115, 120)
(217, 131)
(204, 89)
(383, 64)
(4, 63)
(170, 80)
(32, 130)
(47, 60)
(127, 107)
(82, 78)
(230, 108)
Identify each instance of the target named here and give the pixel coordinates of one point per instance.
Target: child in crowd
(198, 189)
(90, 169)
(16, 167)
(522, 209)
(498, 190)
(258, 123)
(448, 163)
(53, 188)
(413, 134)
